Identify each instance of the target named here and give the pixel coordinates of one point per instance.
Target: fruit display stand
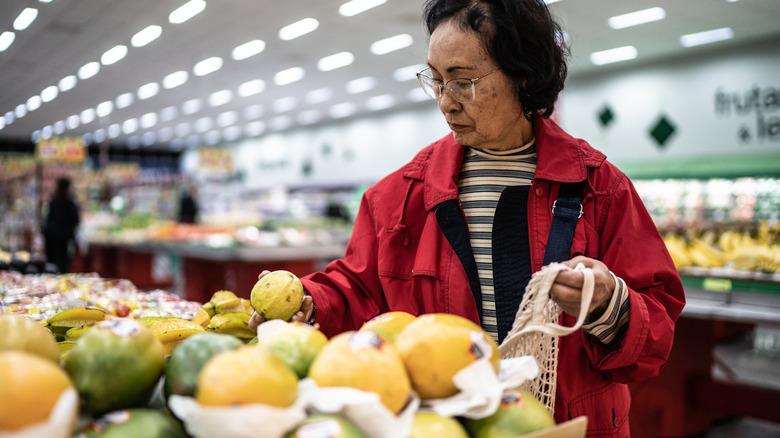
(722, 234)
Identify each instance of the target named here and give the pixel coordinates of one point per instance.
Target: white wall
(684, 90)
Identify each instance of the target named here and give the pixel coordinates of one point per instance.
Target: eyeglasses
(460, 89)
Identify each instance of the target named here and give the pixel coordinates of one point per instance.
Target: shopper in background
(188, 207)
(59, 230)
(462, 227)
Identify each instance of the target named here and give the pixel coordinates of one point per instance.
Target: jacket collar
(560, 158)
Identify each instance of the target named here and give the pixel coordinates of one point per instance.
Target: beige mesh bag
(535, 331)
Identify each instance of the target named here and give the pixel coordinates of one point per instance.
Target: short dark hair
(521, 37)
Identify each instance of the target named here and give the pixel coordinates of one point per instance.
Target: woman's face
(494, 120)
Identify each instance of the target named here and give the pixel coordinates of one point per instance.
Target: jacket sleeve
(632, 248)
(348, 292)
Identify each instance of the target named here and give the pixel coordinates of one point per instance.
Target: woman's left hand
(566, 291)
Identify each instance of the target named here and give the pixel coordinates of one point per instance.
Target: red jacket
(399, 259)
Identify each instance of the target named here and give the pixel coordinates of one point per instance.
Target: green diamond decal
(662, 130)
(606, 116)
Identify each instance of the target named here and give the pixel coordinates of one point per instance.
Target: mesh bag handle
(535, 331)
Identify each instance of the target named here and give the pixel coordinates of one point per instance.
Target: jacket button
(539, 191)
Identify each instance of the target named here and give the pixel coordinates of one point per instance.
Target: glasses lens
(461, 90)
(426, 82)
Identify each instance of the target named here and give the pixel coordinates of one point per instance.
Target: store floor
(743, 428)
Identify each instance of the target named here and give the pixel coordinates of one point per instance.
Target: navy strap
(566, 210)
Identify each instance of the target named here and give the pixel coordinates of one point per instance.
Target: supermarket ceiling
(127, 73)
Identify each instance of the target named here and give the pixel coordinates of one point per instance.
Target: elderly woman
(462, 226)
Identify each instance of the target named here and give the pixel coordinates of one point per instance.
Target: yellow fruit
(29, 389)
(277, 295)
(20, 333)
(79, 313)
(430, 425)
(434, 347)
(202, 318)
(364, 361)
(225, 301)
(232, 323)
(389, 325)
(297, 344)
(246, 375)
(171, 332)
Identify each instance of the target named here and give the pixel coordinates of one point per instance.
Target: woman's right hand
(302, 315)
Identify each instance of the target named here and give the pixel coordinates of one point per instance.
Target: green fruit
(297, 344)
(115, 365)
(519, 414)
(323, 425)
(186, 361)
(133, 423)
(430, 424)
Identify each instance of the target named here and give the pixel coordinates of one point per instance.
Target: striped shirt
(483, 176)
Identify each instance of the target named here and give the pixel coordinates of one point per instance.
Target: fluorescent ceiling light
(212, 138)
(289, 76)
(232, 133)
(355, 7)
(20, 111)
(227, 118)
(45, 1)
(148, 120)
(380, 102)
(67, 83)
(88, 70)
(191, 106)
(46, 131)
(319, 95)
(710, 36)
(549, 2)
(72, 122)
(280, 123)
(391, 44)
(114, 130)
(168, 113)
(417, 94)
(124, 100)
(175, 79)
(148, 138)
(221, 97)
(129, 126)
(2, 123)
(59, 127)
(50, 93)
(148, 90)
(6, 38)
(309, 116)
(203, 124)
(636, 18)
(25, 18)
(146, 36)
(9, 117)
(33, 103)
(338, 60)
(113, 54)
(182, 129)
(250, 88)
(253, 112)
(284, 104)
(248, 49)
(613, 55)
(187, 11)
(87, 116)
(99, 135)
(104, 108)
(165, 134)
(299, 28)
(360, 85)
(408, 73)
(209, 65)
(254, 129)
(342, 110)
